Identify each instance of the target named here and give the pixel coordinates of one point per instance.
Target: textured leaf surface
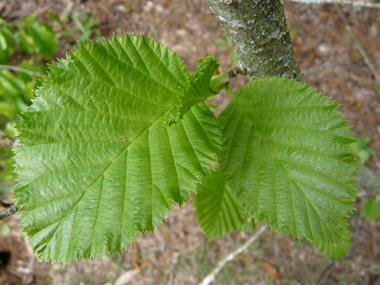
(287, 155)
(337, 251)
(217, 209)
(197, 90)
(95, 163)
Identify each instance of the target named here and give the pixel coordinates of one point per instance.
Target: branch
(361, 50)
(10, 211)
(259, 33)
(211, 277)
(348, 2)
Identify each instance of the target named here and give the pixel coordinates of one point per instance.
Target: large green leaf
(96, 164)
(217, 208)
(287, 155)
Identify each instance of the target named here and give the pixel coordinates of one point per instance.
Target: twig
(10, 211)
(348, 2)
(5, 205)
(358, 45)
(211, 277)
(16, 68)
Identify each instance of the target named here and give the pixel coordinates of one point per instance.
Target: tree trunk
(260, 35)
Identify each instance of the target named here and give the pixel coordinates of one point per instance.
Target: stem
(229, 91)
(260, 35)
(10, 211)
(348, 2)
(211, 277)
(16, 68)
(361, 50)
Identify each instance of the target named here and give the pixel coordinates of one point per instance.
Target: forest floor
(179, 253)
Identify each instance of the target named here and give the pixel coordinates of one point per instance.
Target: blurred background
(339, 53)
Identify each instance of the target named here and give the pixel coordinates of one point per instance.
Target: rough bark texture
(260, 35)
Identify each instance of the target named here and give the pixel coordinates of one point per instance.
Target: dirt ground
(179, 253)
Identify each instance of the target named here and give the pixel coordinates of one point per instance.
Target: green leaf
(371, 210)
(361, 149)
(55, 17)
(287, 155)
(44, 39)
(5, 230)
(25, 42)
(7, 45)
(96, 164)
(336, 250)
(197, 89)
(7, 110)
(217, 208)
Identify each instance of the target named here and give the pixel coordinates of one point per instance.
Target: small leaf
(371, 210)
(25, 42)
(44, 39)
(217, 209)
(287, 156)
(197, 89)
(5, 230)
(7, 45)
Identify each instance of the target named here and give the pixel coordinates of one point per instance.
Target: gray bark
(10, 211)
(260, 35)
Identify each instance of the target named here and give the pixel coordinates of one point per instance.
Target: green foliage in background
(118, 133)
(34, 36)
(361, 149)
(371, 210)
(27, 44)
(17, 83)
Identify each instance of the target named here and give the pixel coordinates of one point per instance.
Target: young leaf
(338, 250)
(197, 89)
(96, 164)
(287, 155)
(217, 208)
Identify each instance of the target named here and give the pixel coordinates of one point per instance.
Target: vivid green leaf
(217, 208)
(7, 110)
(197, 89)
(371, 210)
(96, 164)
(44, 39)
(287, 155)
(25, 42)
(7, 45)
(336, 250)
